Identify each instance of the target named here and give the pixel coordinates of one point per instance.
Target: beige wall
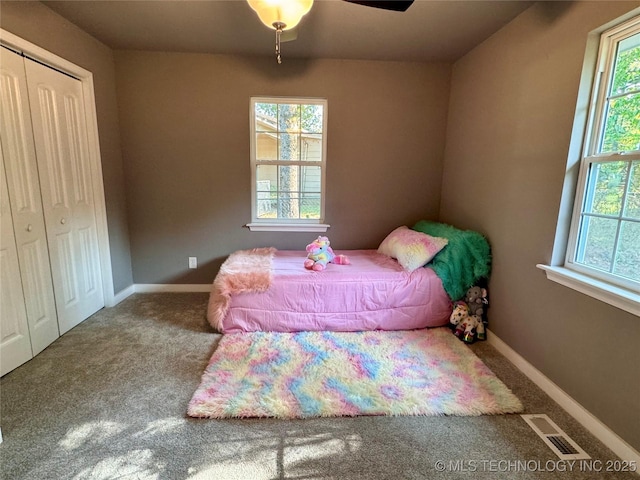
(185, 136)
(38, 24)
(512, 107)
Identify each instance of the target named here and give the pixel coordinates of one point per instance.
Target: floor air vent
(558, 441)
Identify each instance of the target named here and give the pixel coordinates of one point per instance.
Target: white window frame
(279, 224)
(612, 289)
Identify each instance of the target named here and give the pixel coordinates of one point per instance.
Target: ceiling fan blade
(289, 35)
(396, 5)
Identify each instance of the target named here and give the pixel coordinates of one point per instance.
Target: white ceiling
(428, 31)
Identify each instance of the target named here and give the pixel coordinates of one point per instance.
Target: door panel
(60, 135)
(15, 345)
(25, 201)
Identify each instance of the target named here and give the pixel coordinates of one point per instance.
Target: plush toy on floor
(476, 299)
(470, 329)
(320, 254)
(468, 317)
(460, 312)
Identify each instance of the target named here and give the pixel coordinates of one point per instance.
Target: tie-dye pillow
(412, 249)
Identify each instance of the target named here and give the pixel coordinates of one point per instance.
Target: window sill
(287, 227)
(616, 296)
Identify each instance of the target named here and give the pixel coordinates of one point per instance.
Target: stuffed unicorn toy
(320, 254)
(470, 329)
(460, 312)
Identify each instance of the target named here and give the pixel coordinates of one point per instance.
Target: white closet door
(26, 205)
(60, 135)
(15, 346)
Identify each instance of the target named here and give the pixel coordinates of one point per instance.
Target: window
(605, 233)
(288, 162)
(603, 245)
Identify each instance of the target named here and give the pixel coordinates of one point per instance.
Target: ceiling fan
(395, 5)
(284, 15)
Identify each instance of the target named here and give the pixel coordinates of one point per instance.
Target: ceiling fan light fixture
(281, 14)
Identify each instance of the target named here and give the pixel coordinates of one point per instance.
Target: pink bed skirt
(373, 293)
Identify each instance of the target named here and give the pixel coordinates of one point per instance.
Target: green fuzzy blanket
(464, 261)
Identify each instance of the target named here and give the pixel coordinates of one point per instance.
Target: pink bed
(373, 293)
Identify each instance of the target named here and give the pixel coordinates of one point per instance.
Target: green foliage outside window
(610, 231)
(622, 130)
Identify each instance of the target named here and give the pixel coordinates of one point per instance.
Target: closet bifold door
(61, 144)
(15, 344)
(25, 203)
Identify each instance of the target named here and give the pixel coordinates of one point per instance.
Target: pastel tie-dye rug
(328, 374)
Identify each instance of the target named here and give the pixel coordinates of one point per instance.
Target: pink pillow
(412, 249)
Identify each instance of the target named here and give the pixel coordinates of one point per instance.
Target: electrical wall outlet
(193, 262)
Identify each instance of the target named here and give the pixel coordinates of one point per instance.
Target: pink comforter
(373, 293)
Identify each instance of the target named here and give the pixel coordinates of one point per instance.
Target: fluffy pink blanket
(243, 271)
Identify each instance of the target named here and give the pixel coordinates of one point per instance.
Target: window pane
(622, 127)
(311, 180)
(265, 117)
(288, 118)
(312, 118)
(266, 185)
(268, 173)
(267, 208)
(632, 203)
(310, 205)
(628, 255)
(311, 150)
(289, 146)
(266, 146)
(622, 117)
(626, 77)
(605, 188)
(597, 240)
(289, 205)
(288, 179)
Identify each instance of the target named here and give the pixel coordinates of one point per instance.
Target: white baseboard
(171, 287)
(122, 295)
(158, 288)
(602, 432)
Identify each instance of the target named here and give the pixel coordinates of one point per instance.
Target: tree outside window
(607, 232)
(288, 159)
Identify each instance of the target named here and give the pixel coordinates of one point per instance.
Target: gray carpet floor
(108, 399)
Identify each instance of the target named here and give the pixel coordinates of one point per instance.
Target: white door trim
(95, 160)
